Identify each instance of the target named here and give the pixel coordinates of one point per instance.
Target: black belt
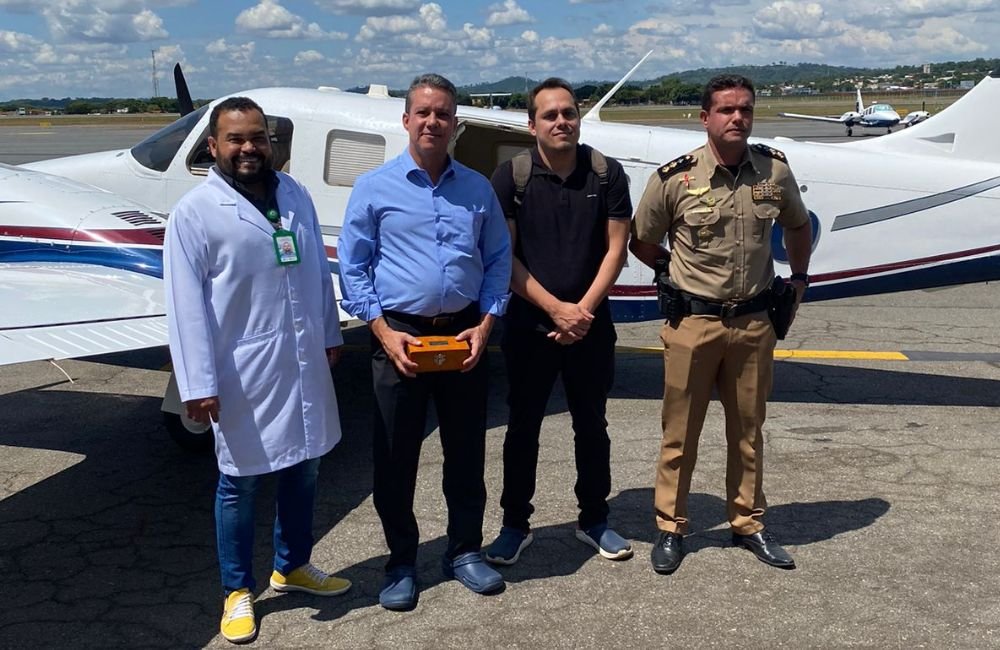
(441, 320)
(699, 307)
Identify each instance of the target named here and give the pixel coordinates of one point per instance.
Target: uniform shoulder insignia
(676, 165)
(770, 152)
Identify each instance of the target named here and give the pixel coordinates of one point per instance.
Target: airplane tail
(859, 104)
(960, 131)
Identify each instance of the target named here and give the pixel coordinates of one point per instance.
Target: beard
(232, 167)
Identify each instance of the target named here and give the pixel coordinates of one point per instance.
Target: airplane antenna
(594, 114)
(156, 83)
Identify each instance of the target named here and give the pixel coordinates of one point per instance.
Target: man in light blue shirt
(425, 250)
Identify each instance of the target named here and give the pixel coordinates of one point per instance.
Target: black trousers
(587, 368)
(400, 421)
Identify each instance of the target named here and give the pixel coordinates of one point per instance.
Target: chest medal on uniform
(285, 247)
(766, 191)
(708, 200)
(697, 191)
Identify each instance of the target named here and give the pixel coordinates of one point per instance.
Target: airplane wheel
(188, 434)
(849, 133)
(888, 131)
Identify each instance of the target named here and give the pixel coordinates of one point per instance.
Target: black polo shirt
(561, 228)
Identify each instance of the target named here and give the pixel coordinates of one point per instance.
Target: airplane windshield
(881, 107)
(159, 149)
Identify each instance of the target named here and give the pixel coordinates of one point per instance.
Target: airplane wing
(815, 118)
(68, 310)
(80, 270)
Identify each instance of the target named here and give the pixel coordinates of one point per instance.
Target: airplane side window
(156, 151)
(350, 154)
(280, 129)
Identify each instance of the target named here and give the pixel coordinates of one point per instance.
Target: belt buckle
(440, 321)
(729, 309)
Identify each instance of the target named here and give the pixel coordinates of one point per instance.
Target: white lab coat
(251, 331)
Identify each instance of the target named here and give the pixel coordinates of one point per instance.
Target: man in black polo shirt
(568, 210)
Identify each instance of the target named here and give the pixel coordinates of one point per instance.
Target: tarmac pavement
(881, 478)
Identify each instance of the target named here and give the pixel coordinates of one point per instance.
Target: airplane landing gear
(888, 130)
(849, 132)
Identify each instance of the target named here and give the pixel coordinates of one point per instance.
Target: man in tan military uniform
(717, 206)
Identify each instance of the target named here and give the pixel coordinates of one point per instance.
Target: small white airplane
(878, 115)
(914, 209)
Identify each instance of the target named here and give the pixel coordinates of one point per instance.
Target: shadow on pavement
(641, 377)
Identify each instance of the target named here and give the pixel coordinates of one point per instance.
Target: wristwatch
(801, 277)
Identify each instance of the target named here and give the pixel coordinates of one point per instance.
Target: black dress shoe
(667, 553)
(766, 548)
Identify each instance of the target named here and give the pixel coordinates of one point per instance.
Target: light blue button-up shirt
(411, 246)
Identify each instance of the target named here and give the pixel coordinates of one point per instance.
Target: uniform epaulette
(770, 152)
(676, 165)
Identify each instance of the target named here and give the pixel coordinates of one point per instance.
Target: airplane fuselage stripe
(886, 212)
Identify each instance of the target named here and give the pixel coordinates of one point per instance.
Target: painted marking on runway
(857, 355)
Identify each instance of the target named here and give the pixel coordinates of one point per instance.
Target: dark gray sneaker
(605, 541)
(507, 547)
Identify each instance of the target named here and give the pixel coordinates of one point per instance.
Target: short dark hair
(724, 82)
(550, 84)
(431, 80)
(241, 104)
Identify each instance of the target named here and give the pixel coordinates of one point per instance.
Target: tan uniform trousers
(736, 356)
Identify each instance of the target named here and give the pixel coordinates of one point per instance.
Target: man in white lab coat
(254, 329)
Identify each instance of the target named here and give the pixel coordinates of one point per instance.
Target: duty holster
(668, 297)
(782, 307)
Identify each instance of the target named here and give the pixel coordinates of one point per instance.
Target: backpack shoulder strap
(521, 170)
(599, 164)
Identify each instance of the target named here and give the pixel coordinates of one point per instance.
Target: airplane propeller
(184, 103)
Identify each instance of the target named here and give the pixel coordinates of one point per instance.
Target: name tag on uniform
(285, 247)
(766, 191)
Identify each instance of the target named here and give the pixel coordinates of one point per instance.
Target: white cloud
(17, 42)
(308, 56)
(269, 19)
(508, 13)
(369, 7)
(657, 27)
(217, 46)
(786, 19)
(429, 20)
(75, 20)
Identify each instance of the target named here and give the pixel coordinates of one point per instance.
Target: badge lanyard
(286, 248)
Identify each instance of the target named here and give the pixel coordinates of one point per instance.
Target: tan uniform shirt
(719, 226)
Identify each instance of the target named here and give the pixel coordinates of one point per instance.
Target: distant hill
(508, 85)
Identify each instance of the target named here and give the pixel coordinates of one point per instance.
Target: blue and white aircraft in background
(877, 116)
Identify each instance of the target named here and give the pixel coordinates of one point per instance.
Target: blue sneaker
(507, 547)
(471, 571)
(399, 591)
(605, 541)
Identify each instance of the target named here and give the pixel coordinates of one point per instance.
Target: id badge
(285, 247)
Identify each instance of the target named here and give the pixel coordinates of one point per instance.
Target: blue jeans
(234, 523)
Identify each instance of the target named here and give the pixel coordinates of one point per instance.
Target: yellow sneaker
(238, 622)
(311, 580)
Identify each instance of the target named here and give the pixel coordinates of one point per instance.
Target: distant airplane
(490, 97)
(876, 116)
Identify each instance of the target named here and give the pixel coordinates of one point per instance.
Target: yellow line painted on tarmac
(865, 355)
(857, 355)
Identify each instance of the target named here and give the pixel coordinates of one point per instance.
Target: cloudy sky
(60, 48)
